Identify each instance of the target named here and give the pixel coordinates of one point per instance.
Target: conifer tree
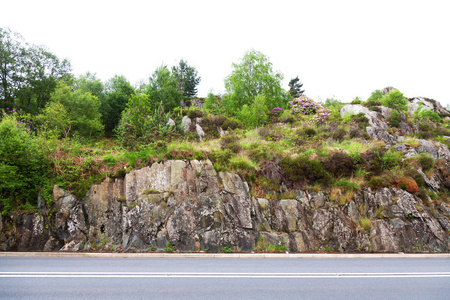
(295, 87)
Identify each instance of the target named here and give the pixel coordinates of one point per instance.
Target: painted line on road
(218, 275)
(230, 255)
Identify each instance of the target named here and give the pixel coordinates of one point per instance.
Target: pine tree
(187, 78)
(295, 87)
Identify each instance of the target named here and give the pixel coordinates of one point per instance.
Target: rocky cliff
(188, 206)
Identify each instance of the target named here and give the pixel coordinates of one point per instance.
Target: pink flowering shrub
(307, 106)
(304, 105)
(322, 116)
(277, 111)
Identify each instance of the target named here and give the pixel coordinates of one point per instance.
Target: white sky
(339, 49)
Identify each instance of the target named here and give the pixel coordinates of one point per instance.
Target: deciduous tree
(253, 76)
(163, 88)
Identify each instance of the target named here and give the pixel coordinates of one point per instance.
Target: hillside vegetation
(58, 129)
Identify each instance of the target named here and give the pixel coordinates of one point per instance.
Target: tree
(43, 71)
(28, 74)
(82, 111)
(90, 83)
(117, 95)
(12, 50)
(295, 88)
(187, 79)
(253, 76)
(163, 88)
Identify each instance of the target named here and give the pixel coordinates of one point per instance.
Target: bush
(408, 184)
(426, 113)
(375, 161)
(230, 142)
(426, 161)
(309, 132)
(139, 126)
(303, 169)
(395, 100)
(394, 118)
(339, 134)
(339, 164)
(23, 165)
(304, 105)
(193, 113)
(356, 101)
(361, 119)
(256, 114)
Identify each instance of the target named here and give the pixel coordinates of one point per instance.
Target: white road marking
(218, 275)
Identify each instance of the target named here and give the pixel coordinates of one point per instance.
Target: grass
(365, 223)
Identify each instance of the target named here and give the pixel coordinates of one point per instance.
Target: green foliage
(187, 78)
(226, 249)
(375, 97)
(23, 165)
(169, 247)
(117, 93)
(295, 88)
(377, 160)
(57, 119)
(303, 169)
(332, 103)
(163, 89)
(256, 114)
(365, 223)
(357, 100)
(212, 104)
(395, 100)
(251, 77)
(29, 73)
(426, 161)
(427, 114)
(394, 118)
(138, 125)
(79, 108)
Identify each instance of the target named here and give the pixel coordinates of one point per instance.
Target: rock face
(378, 119)
(188, 206)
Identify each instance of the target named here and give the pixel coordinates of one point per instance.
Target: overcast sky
(339, 49)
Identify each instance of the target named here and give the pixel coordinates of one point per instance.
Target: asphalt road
(201, 278)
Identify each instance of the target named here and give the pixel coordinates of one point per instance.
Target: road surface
(204, 278)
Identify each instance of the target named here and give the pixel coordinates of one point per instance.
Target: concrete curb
(227, 255)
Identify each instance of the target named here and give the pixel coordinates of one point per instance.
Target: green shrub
(395, 100)
(231, 142)
(361, 119)
(23, 165)
(426, 113)
(426, 161)
(356, 101)
(309, 132)
(212, 104)
(255, 114)
(303, 169)
(193, 113)
(375, 161)
(394, 118)
(375, 96)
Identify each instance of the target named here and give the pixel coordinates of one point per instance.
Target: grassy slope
(289, 152)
